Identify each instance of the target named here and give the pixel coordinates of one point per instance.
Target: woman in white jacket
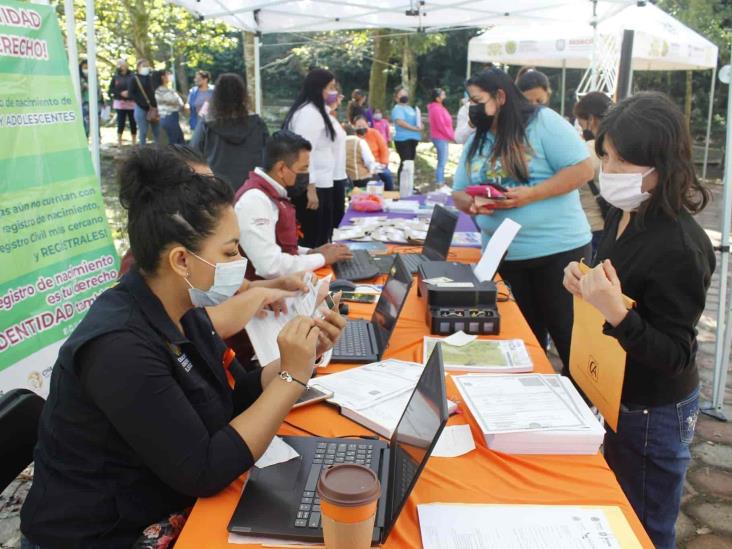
(309, 118)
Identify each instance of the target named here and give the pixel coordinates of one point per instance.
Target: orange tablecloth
(482, 476)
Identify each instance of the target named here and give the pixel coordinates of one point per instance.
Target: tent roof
(268, 16)
(661, 42)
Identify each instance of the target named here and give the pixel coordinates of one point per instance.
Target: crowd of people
(128, 437)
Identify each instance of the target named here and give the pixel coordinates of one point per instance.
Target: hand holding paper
(600, 287)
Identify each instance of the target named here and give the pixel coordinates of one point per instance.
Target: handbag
(601, 202)
(152, 115)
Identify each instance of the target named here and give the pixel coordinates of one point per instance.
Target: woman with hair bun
(148, 410)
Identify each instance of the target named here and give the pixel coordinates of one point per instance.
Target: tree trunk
(409, 68)
(379, 68)
(140, 28)
(181, 76)
(249, 66)
(688, 98)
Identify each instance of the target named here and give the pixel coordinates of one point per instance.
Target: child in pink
(382, 125)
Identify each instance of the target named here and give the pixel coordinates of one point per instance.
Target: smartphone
(311, 396)
(489, 191)
(358, 297)
(329, 302)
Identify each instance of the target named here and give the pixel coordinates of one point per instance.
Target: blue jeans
(442, 149)
(387, 178)
(649, 456)
(25, 543)
(172, 129)
(143, 125)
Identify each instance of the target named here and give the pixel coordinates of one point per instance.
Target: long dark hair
(312, 92)
(648, 129)
(592, 104)
(513, 117)
(230, 100)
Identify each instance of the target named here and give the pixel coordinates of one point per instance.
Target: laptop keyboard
(413, 261)
(355, 341)
(359, 267)
(327, 453)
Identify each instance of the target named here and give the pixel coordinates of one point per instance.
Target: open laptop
(436, 244)
(364, 341)
(436, 247)
(281, 500)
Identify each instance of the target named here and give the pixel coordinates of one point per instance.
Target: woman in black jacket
(142, 92)
(147, 409)
(230, 138)
(653, 251)
(119, 93)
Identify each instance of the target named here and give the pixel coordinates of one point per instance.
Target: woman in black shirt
(653, 251)
(141, 417)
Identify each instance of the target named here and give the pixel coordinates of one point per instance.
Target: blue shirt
(550, 226)
(409, 115)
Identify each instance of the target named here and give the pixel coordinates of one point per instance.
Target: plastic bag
(367, 202)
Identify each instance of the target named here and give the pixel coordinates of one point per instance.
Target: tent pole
(71, 46)
(91, 59)
(257, 76)
(564, 85)
(709, 122)
(593, 68)
(724, 327)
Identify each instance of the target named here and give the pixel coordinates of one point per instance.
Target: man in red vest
(267, 216)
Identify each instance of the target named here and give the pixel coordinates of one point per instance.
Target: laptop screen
(440, 233)
(415, 435)
(390, 303)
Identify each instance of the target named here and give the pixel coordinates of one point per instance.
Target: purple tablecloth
(464, 225)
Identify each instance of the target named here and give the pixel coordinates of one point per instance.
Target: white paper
(437, 280)
(482, 355)
(455, 440)
(371, 384)
(466, 239)
(446, 526)
(242, 539)
(498, 244)
(263, 331)
(516, 403)
(458, 339)
(278, 451)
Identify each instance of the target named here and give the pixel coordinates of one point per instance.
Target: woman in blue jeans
(653, 251)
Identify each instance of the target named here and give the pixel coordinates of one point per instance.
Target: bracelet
(285, 376)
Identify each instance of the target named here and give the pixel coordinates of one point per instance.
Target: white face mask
(228, 278)
(144, 71)
(623, 190)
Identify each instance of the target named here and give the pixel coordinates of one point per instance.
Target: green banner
(56, 249)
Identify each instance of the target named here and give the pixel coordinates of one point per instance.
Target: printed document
(498, 244)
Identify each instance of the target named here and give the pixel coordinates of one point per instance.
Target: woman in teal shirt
(542, 161)
(407, 135)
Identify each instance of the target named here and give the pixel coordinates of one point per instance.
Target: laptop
(281, 501)
(436, 247)
(436, 244)
(364, 341)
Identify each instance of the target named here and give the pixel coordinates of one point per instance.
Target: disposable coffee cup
(348, 495)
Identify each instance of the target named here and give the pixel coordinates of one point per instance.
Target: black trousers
(122, 116)
(545, 303)
(340, 188)
(316, 225)
(407, 150)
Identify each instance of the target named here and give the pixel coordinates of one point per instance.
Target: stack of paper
(263, 330)
(482, 355)
(401, 206)
(374, 395)
(531, 414)
(458, 526)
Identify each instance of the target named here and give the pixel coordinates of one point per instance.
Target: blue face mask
(228, 278)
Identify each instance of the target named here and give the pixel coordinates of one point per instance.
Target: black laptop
(281, 500)
(365, 341)
(436, 244)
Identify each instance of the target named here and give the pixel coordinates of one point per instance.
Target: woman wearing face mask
(539, 157)
(654, 252)
(407, 135)
(142, 417)
(589, 112)
(310, 118)
(169, 105)
(119, 94)
(441, 131)
(142, 92)
(534, 85)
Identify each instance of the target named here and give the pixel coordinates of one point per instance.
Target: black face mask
(361, 131)
(587, 135)
(478, 117)
(404, 99)
(302, 180)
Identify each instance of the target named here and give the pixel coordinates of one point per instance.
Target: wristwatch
(285, 376)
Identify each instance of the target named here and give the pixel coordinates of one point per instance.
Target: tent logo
(561, 44)
(511, 47)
